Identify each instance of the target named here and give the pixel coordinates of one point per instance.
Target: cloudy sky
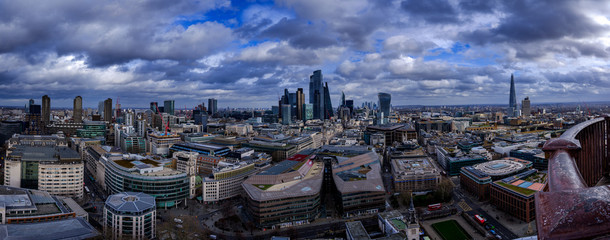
(244, 53)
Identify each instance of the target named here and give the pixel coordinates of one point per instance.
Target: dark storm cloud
(433, 11)
(108, 32)
(484, 6)
(300, 34)
(529, 21)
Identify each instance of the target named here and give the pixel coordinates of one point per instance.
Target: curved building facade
(130, 215)
(168, 186)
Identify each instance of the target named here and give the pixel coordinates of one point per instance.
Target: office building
(350, 105)
(307, 112)
(384, 104)
(8, 128)
(526, 109)
(77, 114)
(414, 174)
(108, 110)
(130, 173)
(278, 150)
(46, 110)
(328, 107)
(212, 106)
(55, 169)
(92, 129)
(316, 94)
(534, 155)
(132, 143)
(168, 107)
(285, 194)
(160, 143)
(154, 106)
(130, 215)
(452, 160)
(207, 149)
(286, 114)
(515, 195)
(477, 179)
(299, 103)
(225, 180)
(393, 133)
(512, 102)
(359, 185)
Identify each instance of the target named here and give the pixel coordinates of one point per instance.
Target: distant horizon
(245, 53)
(356, 105)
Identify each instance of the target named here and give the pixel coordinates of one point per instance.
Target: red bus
(433, 207)
(479, 219)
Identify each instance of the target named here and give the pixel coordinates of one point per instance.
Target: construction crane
(161, 116)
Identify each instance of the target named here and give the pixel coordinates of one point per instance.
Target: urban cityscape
(357, 120)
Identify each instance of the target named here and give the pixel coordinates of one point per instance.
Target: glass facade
(167, 190)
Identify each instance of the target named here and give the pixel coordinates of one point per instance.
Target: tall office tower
(384, 103)
(300, 102)
(307, 111)
(108, 110)
(292, 100)
(286, 114)
(100, 108)
(526, 110)
(512, 102)
(46, 110)
(316, 94)
(154, 106)
(350, 105)
(212, 106)
(168, 106)
(30, 103)
(342, 99)
(78, 109)
(328, 106)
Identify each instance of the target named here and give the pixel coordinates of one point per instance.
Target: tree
(445, 188)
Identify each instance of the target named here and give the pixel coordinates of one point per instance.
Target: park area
(451, 230)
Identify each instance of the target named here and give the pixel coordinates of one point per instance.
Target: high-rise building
(328, 107)
(342, 99)
(108, 110)
(316, 94)
(526, 110)
(512, 102)
(168, 106)
(384, 104)
(299, 103)
(212, 106)
(46, 110)
(78, 109)
(100, 108)
(350, 105)
(307, 112)
(286, 114)
(154, 106)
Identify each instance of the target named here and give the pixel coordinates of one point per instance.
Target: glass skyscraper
(316, 94)
(384, 104)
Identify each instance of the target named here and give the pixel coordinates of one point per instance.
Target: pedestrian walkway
(465, 207)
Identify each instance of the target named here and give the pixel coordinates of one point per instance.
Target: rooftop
(132, 202)
(357, 230)
(359, 174)
(502, 167)
(73, 228)
(413, 166)
(44, 153)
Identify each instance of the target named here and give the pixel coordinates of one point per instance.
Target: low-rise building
(515, 195)
(285, 194)
(130, 215)
(134, 173)
(359, 185)
(201, 148)
(414, 174)
(452, 160)
(477, 179)
(20, 205)
(226, 179)
(56, 169)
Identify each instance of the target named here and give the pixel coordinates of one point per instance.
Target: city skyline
(245, 53)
